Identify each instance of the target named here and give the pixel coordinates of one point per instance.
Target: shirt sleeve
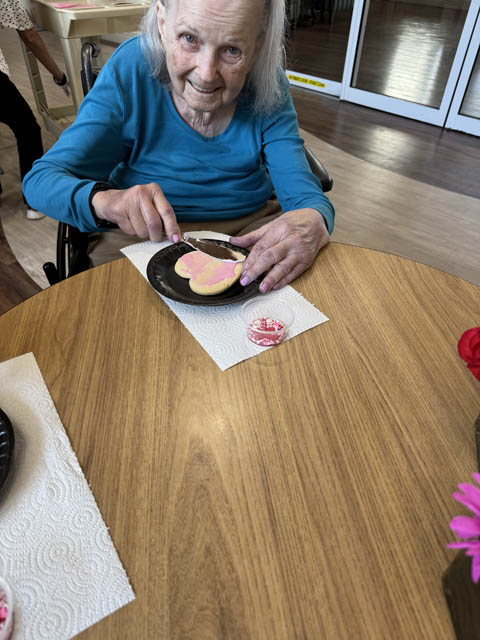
(295, 185)
(13, 15)
(59, 183)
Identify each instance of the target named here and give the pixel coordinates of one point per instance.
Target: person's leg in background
(16, 114)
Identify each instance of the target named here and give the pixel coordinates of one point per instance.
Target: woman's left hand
(285, 247)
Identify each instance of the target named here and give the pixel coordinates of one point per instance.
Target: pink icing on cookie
(195, 262)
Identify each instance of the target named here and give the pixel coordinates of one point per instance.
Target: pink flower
(466, 527)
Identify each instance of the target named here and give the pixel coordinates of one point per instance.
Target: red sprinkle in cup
(266, 332)
(267, 319)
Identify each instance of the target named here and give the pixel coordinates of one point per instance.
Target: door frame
(455, 120)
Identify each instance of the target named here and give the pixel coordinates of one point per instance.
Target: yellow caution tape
(315, 83)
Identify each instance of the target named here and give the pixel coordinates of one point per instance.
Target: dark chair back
(90, 50)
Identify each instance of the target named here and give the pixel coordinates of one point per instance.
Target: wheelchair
(72, 244)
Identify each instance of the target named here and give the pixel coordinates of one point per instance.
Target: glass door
(317, 43)
(464, 112)
(406, 57)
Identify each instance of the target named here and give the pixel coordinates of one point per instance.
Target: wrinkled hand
(141, 211)
(287, 246)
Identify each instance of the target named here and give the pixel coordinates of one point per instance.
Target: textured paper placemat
(55, 550)
(220, 330)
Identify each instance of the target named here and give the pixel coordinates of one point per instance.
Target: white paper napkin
(220, 330)
(55, 550)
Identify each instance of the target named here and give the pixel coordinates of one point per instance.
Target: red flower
(469, 350)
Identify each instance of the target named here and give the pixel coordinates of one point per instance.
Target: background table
(304, 493)
(73, 26)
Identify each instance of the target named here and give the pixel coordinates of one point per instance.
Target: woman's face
(210, 47)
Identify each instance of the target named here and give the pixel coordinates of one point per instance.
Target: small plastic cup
(6, 604)
(267, 320)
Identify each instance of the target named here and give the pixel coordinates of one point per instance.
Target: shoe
(32, 214)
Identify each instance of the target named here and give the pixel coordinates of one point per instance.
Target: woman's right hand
(141, 211)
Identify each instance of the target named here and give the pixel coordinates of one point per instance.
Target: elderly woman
(191, 125)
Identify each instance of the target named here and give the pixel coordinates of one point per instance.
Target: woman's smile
(201, 89)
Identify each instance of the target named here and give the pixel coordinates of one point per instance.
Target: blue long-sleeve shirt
(128, 132)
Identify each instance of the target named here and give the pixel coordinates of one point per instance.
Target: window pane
(318, 37)
(409, 48)
(471, 101)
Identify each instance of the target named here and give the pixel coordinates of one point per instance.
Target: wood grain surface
(304, 493)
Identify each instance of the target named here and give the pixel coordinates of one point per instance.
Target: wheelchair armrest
(319, 170)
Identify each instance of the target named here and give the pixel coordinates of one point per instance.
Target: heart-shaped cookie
(207, 276)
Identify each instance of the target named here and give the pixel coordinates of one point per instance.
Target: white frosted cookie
(207, 276)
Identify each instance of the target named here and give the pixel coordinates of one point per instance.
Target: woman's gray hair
(264, 81)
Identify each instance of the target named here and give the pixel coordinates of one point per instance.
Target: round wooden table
(303, 493)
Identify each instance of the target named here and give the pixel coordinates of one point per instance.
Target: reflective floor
(407, 52)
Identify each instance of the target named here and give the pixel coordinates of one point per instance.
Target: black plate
(161, 275)
(7, 442)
